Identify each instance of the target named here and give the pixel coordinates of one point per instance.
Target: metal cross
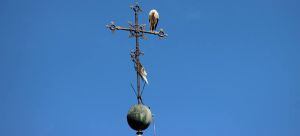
(138, 31)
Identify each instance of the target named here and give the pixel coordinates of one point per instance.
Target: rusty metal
(138, 31)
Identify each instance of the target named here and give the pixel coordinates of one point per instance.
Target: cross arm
(123, 28)
(139, 30)
(159, 33)
(113, 27)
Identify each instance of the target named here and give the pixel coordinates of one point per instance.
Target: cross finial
(138, 31)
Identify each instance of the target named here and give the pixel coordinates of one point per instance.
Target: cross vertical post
(137, 52)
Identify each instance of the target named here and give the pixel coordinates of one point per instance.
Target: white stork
(153, 19)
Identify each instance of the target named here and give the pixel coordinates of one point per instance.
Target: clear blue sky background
(228, 68)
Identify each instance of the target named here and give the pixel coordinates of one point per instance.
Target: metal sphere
(139, 117)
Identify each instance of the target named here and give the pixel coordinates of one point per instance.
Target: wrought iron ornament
(138, 31)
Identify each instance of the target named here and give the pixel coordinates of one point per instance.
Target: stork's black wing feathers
(156, 24)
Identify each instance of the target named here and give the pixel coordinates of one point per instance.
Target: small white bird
(153, 19)
(142, 72)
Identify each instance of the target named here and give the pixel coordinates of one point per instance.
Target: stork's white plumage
(153, 19)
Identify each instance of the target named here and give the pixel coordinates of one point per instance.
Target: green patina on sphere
(139, 117)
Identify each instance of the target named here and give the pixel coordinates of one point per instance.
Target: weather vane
(139, 116)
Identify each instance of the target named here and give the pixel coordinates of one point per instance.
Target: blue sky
(228, 68)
